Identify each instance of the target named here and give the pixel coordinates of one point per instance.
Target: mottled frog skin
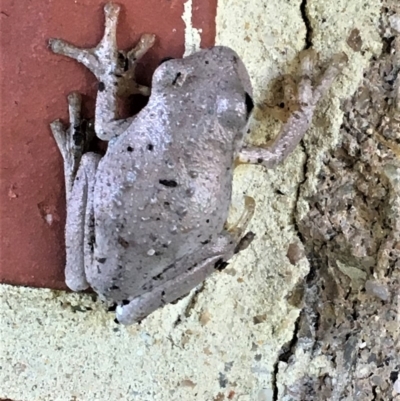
(146, 223)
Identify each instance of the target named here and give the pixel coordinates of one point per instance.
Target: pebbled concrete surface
(236, 337)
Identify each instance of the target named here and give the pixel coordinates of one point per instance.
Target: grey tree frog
(146, 223)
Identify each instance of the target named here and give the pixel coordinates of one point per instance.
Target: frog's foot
(178, 279)
(300, 104)
(115, 70)
(72, 140)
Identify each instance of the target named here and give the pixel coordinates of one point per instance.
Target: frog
(147, 222)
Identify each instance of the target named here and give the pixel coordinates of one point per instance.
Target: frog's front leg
(308, 95)
(178, 279)
(113, 68)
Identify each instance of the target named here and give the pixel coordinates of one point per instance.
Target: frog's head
(214, 80)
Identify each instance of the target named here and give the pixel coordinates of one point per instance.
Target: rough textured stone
(351, 231)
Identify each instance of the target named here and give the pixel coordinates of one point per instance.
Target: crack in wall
(284, 354)
(286, 351)
(307, 23)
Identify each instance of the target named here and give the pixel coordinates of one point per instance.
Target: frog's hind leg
(79, 227)
(172, 284)
(115, 70)
(79, 173)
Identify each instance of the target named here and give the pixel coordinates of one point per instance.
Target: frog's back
(162, 190)
(157, 198)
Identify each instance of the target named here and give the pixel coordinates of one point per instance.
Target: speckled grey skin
(146, 223)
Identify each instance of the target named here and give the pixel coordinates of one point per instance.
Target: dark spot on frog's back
(123, 242)
(168, 183)
(101, 260)
(158, 277)
(101, 86)
(150, 147)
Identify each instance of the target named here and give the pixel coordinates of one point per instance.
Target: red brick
(34, 86)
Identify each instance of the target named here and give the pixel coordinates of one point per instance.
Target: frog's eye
(249, 104)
